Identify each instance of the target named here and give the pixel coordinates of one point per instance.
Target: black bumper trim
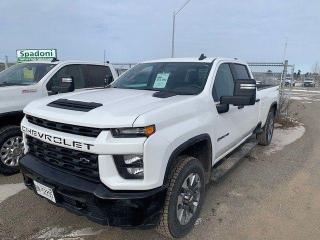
(94, 200)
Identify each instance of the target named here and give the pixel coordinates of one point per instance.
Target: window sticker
(161, 80)
(28, 74)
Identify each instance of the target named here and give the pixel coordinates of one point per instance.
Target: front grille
(67, 128)
(75, 162)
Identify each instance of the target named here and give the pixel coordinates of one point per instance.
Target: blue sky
(132, 31)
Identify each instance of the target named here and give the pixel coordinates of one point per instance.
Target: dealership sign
(25, 55)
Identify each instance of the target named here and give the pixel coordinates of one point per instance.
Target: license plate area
(44, 191)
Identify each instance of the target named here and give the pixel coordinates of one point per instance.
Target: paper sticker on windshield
(161, 80)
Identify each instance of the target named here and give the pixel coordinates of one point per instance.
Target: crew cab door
(233, 125)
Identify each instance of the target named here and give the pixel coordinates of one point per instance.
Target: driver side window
(223, 83)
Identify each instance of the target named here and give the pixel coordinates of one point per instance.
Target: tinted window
(240, 71)
(96, 76)
(68, 71)
(223, 83)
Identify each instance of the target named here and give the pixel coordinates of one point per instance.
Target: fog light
(130, 166)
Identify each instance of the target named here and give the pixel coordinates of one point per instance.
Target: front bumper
(94, 200)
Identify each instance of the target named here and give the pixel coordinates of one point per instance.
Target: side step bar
(233, 159)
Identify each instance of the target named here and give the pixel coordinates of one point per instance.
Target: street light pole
(175, 13)
(173, 29)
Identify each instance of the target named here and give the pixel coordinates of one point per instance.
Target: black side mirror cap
(244, 93)
(66, 85)
(245, 87)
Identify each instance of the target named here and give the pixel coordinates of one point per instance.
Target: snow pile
(284, 137)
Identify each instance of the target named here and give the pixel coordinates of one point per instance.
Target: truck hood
(120, 107)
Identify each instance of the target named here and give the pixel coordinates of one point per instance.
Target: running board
(233, 159)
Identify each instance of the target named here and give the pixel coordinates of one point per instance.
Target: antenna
(202, 57)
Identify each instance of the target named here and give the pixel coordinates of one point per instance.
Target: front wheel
(184, 198)
(265, 137)
(11, 149)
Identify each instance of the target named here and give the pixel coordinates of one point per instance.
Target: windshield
(24, 74)
(176, 77)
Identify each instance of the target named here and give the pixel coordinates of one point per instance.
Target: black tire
(169, 225)
(5, 134)
(265, 137)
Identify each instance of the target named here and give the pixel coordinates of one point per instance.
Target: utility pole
(175, 13)
(285, 49)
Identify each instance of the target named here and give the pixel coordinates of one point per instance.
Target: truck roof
(193, 59)
(69, 62)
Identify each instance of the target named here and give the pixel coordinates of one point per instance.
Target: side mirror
(222, 108)
(108, 80)
(244, 93)
(66, 85)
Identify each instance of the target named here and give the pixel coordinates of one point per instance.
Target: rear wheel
(265, 137)
(11, 149)
(184, 198)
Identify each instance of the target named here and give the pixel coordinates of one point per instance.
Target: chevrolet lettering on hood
(56, 140)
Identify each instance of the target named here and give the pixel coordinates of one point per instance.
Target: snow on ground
(60, 233)
(284, 137)
(302, 98)
(304, 95)
(305, 90)
(8, 190)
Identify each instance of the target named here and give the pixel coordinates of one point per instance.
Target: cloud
(141, 29)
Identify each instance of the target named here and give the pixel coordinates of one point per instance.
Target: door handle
(240, 107)
(257, 100)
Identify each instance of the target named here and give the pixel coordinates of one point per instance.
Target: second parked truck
(141, 152)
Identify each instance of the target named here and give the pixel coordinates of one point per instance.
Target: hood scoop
(74, 105)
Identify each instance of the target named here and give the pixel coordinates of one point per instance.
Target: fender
(184, 146)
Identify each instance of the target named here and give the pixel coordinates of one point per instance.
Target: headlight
(133, 132)
(129, 166)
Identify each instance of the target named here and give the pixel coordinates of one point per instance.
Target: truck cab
(22, 83)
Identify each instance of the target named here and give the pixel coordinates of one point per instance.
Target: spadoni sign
(25, 55)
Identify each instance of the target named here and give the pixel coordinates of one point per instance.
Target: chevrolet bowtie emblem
(84, 160)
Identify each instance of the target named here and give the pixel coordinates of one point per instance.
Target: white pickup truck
(140, 152)
(25, 82)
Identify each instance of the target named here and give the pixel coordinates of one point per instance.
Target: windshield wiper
(110, 86)
(175, 92)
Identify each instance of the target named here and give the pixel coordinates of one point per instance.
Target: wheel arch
(274, 106)
(199, 147)
(11, 118)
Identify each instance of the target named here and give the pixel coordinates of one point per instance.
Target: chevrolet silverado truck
(140, 152)
(25, 82)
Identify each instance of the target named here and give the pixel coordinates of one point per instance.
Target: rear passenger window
(223, 83)
(240, 72)
(95, 75)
